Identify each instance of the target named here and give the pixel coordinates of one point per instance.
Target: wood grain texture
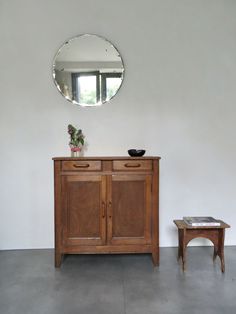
(215, 234)
(155, 213)
(81, 165)
(83, 208)
(132, 165)
(130, 209)
(57, 214)
(106, 205)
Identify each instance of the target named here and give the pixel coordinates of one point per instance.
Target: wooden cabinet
(106, 205)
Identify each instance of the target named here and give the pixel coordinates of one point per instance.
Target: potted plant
(76, 140)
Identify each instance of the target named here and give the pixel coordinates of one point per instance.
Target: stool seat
(214, 233)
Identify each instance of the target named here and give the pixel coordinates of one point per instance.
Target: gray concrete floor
(117, 284)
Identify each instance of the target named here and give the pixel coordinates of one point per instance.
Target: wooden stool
(215, 234)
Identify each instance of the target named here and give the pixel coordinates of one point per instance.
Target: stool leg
(184, 258)
(221, 249)
(215, 252)
(179, 248)
(182, 247)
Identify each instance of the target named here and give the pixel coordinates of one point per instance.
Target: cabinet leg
(58, 259)
(155, 257)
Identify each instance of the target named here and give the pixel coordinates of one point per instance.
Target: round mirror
(88, 70)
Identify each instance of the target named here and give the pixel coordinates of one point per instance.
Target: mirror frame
(54, 68)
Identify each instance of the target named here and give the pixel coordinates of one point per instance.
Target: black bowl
(136, 152)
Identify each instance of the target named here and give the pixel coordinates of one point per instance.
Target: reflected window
(93, 87)
(86, 87)
(110, 84)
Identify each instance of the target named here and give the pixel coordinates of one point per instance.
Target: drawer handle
(132, 165)
(81, 165)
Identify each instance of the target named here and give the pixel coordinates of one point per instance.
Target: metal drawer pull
(132, 165)
(81, 165)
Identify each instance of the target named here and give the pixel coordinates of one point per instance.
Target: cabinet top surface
(106, 158)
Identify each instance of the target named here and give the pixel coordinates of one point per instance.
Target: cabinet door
(129, 209)
(83, 210)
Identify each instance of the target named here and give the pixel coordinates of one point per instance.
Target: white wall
(178, 101)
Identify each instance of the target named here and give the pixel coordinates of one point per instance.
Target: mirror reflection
(88, 70)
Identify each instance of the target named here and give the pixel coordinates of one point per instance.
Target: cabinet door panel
(129, 209)
(84, 210)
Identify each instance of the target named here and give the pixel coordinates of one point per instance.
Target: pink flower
(75, 149)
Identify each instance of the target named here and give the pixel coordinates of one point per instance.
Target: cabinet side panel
(155, 213)
(57, 213)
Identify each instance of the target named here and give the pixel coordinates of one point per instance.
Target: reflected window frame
(101, 84)
(75, 83)
(104, 77)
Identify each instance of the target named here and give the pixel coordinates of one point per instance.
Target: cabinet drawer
(81, 165)
(134, 165)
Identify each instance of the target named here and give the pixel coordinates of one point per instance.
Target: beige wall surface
(178, 101)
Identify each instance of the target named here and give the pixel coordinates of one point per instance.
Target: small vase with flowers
(76, 140)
